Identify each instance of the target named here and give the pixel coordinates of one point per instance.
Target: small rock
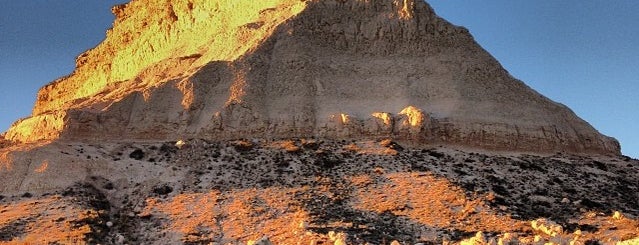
(180, 143)
(162, 190)
(547, 227)
(109, 224)
(337, 238)
(478, 239)
(617, 215)
(537, 238)
(263, 241)
(332, 235)
(507, 238)
(303, 225)
(137, 154)
(565, 200)
(119, 239)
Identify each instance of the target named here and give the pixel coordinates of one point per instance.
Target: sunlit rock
(280, 68)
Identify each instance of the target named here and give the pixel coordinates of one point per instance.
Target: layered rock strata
(172, 69)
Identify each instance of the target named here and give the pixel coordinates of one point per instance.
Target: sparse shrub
(435, 154)
(163, 189)
(215, 154)
(168, 148)
(460, 172)
(600, 165)
(501, 190)
(526, 165)
(108, 186)
(591, 204)
(281, 163)
(542, 204)
(4, 143)
(540, 192)
(326, 161)
(137, 154)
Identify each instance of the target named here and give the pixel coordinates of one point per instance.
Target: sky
(584, 54)
(39, 40)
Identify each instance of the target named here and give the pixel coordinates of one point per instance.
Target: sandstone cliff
(173, 69)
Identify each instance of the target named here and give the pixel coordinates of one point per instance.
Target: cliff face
(150, 43)
(174, 69)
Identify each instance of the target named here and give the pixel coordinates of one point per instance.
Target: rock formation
(304, 122)
(171, 69)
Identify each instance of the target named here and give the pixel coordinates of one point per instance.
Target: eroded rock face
(282, 68)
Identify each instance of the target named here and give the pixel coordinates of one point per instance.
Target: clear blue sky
(39, 40)
(581, 53)
(584, 54)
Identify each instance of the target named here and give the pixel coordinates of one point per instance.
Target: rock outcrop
(174, 69)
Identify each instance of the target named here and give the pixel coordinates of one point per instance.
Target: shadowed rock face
(282, 68)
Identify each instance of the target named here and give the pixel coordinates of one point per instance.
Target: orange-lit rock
(174, 69)
(386, 118)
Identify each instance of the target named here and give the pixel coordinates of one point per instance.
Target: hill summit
(173, 69)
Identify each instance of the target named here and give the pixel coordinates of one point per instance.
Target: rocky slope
(313, 192)
(317, 68)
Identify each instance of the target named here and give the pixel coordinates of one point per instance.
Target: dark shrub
(137, 154)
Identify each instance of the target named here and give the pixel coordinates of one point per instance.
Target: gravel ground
(307, 191)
